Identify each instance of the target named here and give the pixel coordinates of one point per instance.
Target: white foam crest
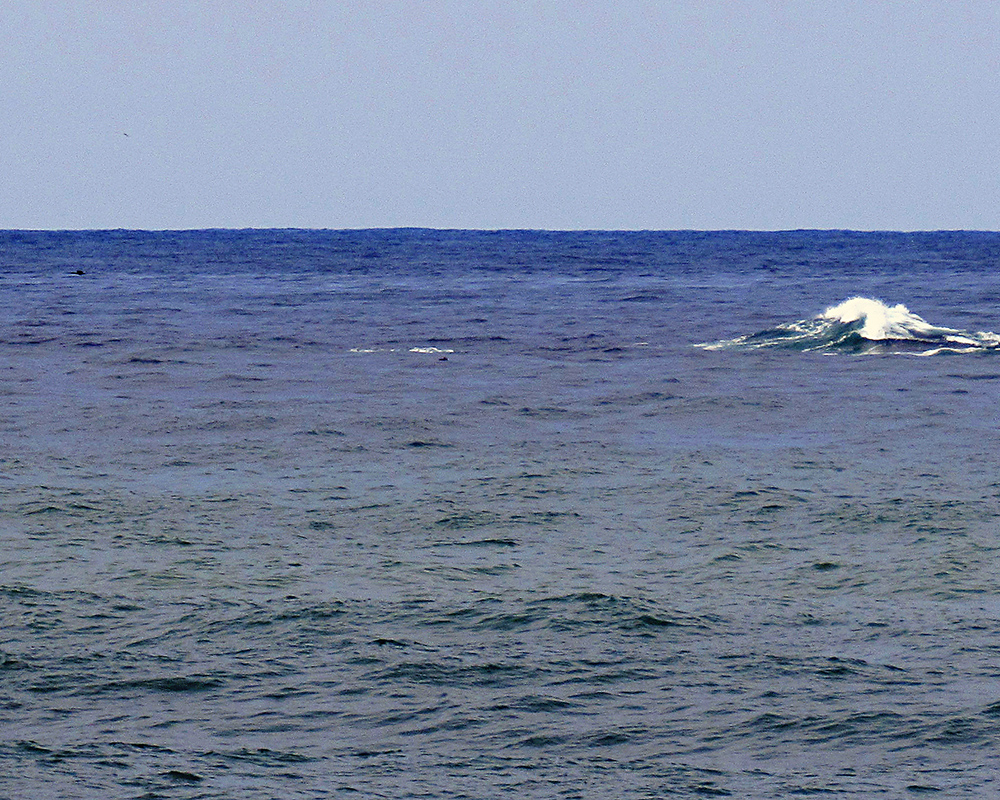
(423, 350)
(882, 321)
(841, 325)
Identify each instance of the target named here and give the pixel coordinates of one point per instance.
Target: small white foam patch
(425, 350)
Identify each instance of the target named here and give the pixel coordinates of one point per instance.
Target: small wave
(420, 350)
(864, 325)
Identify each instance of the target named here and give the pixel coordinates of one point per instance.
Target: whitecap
(880, 321)
(865, 325)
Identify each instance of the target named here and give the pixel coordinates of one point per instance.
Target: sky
(542, 114)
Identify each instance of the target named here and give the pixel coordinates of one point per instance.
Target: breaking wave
(863, 325)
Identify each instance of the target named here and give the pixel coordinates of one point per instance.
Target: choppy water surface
(453, 514)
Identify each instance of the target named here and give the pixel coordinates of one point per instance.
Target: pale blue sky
(489, 114)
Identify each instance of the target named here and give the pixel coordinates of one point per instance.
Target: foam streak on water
(450, 514)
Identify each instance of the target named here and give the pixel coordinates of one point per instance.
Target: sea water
(410, 513)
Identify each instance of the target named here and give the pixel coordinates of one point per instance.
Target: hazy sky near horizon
(608, 114)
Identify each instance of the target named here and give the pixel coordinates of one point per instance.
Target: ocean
(466, 514)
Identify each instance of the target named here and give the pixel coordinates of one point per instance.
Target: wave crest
(861, 324)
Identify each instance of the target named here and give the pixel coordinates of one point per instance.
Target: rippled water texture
(454, 514)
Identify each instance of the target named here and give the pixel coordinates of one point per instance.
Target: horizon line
(419, 228)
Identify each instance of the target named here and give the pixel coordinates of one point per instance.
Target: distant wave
(423, 350)
(863, 325)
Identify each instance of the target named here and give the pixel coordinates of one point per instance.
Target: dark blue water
(308, 514)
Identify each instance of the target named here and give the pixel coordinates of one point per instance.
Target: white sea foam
(862, 324)
(880, 322)
(422, 350)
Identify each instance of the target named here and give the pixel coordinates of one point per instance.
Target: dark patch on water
(183, 777)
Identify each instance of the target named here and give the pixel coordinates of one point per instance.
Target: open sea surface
(457, 514)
